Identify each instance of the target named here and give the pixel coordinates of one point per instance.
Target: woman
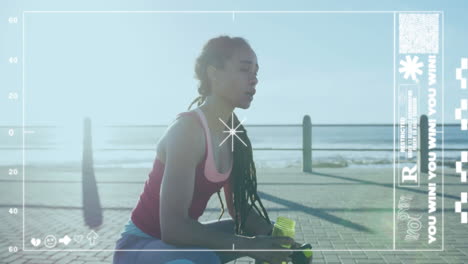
(191, 165)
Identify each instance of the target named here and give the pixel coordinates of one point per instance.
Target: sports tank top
(208, 180)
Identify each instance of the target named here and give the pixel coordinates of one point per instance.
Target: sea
(135, 146)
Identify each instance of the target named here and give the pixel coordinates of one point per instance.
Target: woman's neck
(216, 108)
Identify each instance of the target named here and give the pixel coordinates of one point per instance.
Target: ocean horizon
(135, 146)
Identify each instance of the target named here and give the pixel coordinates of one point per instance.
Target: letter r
(410, 174)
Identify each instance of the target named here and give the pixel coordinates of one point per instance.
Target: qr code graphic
(418, 33)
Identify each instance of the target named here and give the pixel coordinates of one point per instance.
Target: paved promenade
(345, 213)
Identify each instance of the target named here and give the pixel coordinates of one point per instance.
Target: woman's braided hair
(243, 178)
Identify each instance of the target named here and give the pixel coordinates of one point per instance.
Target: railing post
(306, 144)
(91, 204)
(423, 144)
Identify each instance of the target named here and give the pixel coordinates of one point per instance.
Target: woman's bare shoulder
(186, 133)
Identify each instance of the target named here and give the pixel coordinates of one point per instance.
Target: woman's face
(236, 82)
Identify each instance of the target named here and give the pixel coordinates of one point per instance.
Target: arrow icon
(65, 240)
(92, 237)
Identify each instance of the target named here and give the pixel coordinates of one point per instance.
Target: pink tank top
(207, 182)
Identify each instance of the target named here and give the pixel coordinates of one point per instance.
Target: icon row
(51, 241)
(458, 207)
(459, 73)
(464, 154)
(458, 114)
(463, 84)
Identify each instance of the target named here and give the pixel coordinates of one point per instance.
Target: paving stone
(334, 220)
(375, 261)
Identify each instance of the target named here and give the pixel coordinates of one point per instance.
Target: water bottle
(287, 227)
(284, 227)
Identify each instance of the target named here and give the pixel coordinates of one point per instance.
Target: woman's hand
(296, 245)
(270, 243)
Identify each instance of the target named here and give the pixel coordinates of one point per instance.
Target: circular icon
(50, 241)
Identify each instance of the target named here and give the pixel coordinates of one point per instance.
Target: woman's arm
(184, 151)
(255, 224)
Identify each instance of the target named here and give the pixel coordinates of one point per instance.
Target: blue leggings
(172, 257)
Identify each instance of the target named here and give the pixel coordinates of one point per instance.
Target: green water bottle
(304, 256)
(284, 227)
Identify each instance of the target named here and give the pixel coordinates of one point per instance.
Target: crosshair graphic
(458, 207)
(459, 165)
(232, 131)
(459, 72)
(458, 114)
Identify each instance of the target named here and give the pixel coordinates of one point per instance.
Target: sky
(138, 68)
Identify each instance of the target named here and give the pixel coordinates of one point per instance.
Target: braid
(199, 100)
(245, 182)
